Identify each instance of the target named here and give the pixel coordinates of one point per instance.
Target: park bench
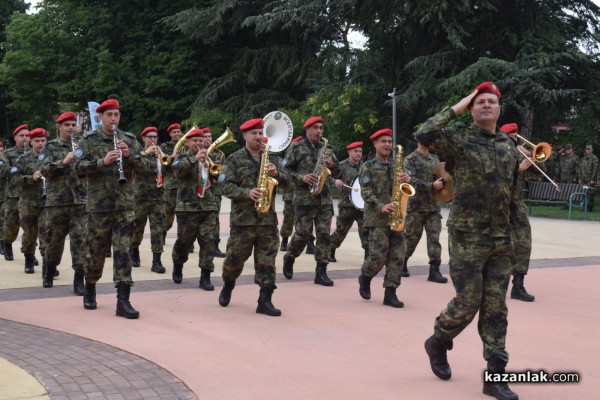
(573, 195)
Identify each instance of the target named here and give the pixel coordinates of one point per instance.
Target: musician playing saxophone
(216, 157)
(252, 231)
(386, 247)
(302, 160)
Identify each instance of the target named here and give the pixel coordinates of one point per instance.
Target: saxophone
(400, 194)
(321, 171)
(265, 182)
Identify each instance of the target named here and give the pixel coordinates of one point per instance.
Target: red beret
(510, 128)
(1, 144)
(255, 123)
(149, 129)
(312, 120)
(38, 132)
(66, 116)
(485, 87)
(381, 132)
(197, 132)
(297, 139)
(110, 104)
(173, 126)
(20, 128)
(206, 130)
(354, 145)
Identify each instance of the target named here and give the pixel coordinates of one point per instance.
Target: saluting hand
(462, 105)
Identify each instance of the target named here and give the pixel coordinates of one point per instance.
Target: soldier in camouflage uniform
(149, 203)
(65, 204)
(11, 201)
(569, 166)
(479, 232)
(26, 173)
(216, 158)
(3, 162)
(347, 213)
(519, 222)
(301, 163)
(589, 174)
(196, 210)
(251, 231)
(170, 180)
(386, 247)
(423, 212)
(110, 202)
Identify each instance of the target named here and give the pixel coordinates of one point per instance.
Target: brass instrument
(226, 137)
(321, 171)
(540, 152)
(445, 194)
(162, 157)
(265, 182)
(181, 142)
(115, 132)
(74, 144)
(400, 194)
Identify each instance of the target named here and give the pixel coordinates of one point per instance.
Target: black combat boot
(8, 252)
(264, 303)
(284, 244)
(518, 290)
(134, 253)
(390, 298)
(124, 307)
(177, 273)
(499, 390)
(321, 277)
(438, 360)
(48, 276)
(225, 296)
(29, 264)
(205, 282)
(332, 255)
(288, 266)
(35, 261)
(310, 247)
(364, 286)
(89, 296)
(78, 287)
(404, 272)
(157, 264)
(434, 273)
(218, 252)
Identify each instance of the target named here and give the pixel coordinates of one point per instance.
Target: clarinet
(122, 178)
(74, 144)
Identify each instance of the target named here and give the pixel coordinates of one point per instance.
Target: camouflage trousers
(31, 220)
(321, 215)
(521, 239)
(287, 226)
(343, 223)
(193, 226)
(63, 220)
(263, 240)
(480, 268)
(11, 219)
(432, 223)
(105, 229)
(155, 213)
(386, 248)
(218, 199)
(170, 203)
(1, 218)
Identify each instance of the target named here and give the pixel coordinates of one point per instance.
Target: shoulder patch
(1, 162)
(42, 156)
(222, 177)
(284, 162)
(79, 153)
(13, 170)
(366, 178)
(176, 162)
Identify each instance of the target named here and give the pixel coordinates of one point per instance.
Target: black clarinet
(122, 178)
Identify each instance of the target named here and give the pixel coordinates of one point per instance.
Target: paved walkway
(328, 344)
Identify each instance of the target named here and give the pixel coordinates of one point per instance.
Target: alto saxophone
(265, 182)
(400, 194)
(321, 171)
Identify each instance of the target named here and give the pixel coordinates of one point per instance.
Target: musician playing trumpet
(252, 231)
(170, 181)
(103, 158)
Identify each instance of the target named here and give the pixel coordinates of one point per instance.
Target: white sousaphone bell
(279, 129)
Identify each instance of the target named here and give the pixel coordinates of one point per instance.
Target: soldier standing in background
(110, 202)
(149, 203)
(251, 230)
(301, 163)
(589, 174)
(65, 204)
(386, 247)
(216, 189)
(196, 210)
(170, 183)
(347, 213)
(423, 212)
(569, 166)
(3, 163)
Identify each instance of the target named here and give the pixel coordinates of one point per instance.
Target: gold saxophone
(265, 182)
(321, 171)
(400, 194)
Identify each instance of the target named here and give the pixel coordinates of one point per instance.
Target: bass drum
(355, 197)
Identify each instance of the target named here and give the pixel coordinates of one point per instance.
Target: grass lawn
(560, 213)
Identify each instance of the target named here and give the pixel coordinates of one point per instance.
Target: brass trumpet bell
(213, 168)
(540, 152)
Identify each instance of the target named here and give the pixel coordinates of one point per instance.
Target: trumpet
(162, 157)
(540, 152)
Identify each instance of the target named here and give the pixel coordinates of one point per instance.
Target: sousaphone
(444, 195)
(279, 129)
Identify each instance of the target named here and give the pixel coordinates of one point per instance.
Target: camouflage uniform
(422, 210)
(553, 166)
(169, 188)
(4, 170)
(569, 168)
(287, 225)
(589, 173)
(196, 216)
(149, 205)
(300, 160)
(480, 246)
(521, 229)
(216, 189)
(11, 202)
(347, 213)
(251, 231)
(386, 247)
(110, 204)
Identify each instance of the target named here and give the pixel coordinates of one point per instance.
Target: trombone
(540, 152)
